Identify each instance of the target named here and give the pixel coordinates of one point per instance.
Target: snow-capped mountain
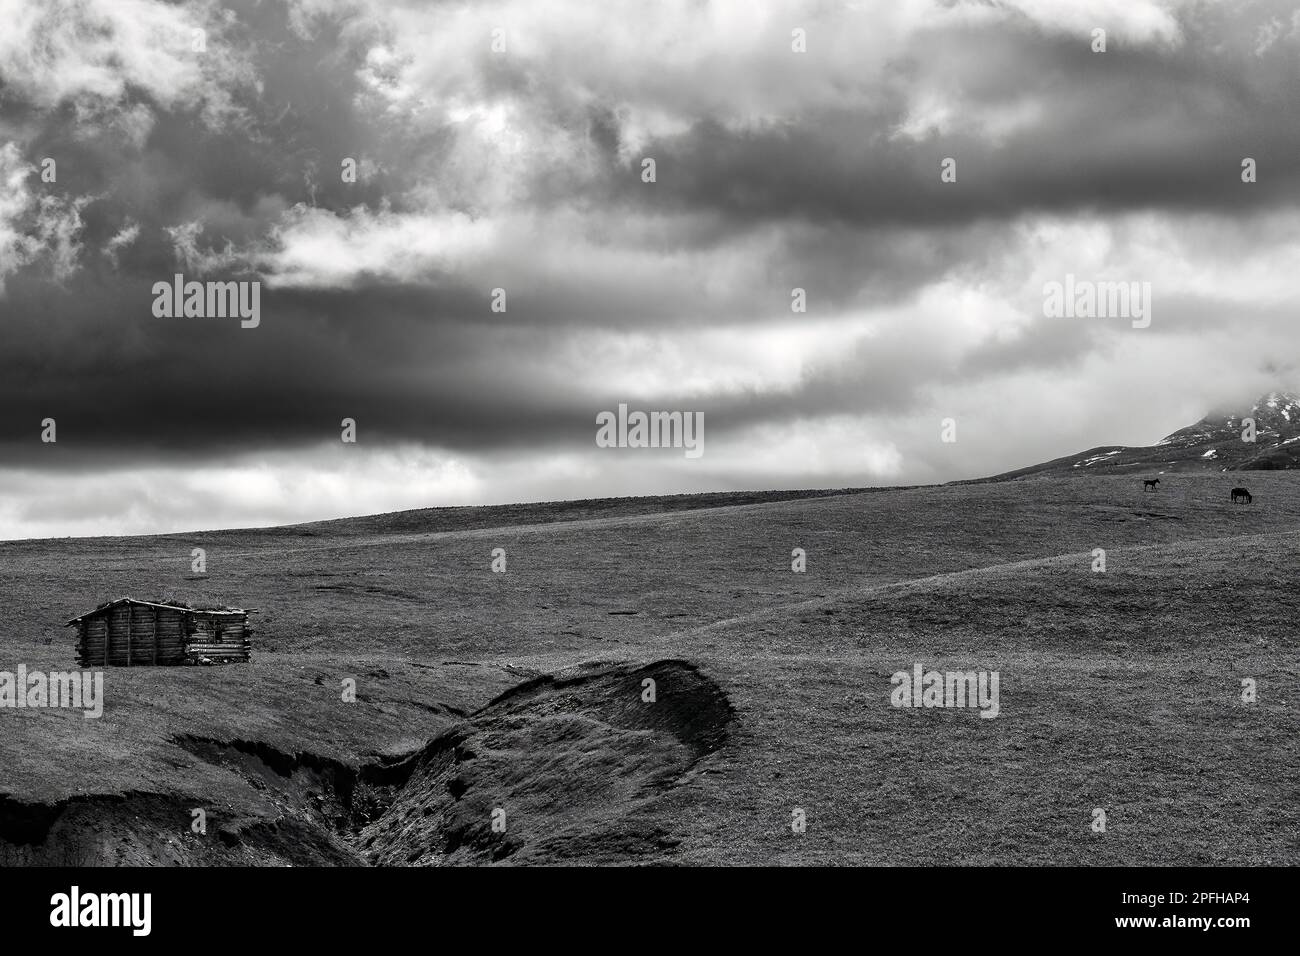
(1276, 416)
(1218, 442)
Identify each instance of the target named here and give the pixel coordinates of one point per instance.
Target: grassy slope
(1119, 690)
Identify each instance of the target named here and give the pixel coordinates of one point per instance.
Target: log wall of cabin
(218, 637)
(132, 636)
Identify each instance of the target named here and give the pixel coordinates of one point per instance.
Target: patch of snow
(1096, 458)
(1209, 454)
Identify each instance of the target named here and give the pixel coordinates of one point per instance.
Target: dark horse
(1150, 483)
(1242, 494)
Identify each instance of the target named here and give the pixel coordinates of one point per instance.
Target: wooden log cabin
(131, 633)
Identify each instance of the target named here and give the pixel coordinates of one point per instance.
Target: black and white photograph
(692, 434)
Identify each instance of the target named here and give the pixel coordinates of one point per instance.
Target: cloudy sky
(521, 168)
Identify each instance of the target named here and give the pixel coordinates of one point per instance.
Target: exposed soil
(557, 767)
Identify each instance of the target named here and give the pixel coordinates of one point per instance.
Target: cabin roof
(167, 605)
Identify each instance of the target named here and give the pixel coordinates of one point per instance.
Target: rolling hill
(478, 693)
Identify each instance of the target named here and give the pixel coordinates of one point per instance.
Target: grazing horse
(1242, 494)
(1150, 483)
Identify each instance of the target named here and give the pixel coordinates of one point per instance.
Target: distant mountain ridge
(1214, 444)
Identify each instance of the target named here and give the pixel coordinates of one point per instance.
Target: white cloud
(124, 237)
(32, 227)
(92, 52)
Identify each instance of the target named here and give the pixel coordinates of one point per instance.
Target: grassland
(476, 691)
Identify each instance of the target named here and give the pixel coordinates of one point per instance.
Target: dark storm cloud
(1118, 131)
(124, 385)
